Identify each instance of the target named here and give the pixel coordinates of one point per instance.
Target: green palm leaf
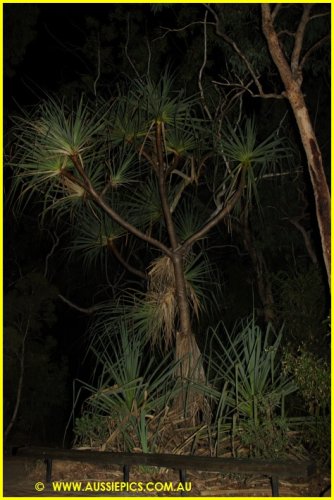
(187, 219)
(92, 239)
(124, 168)
(126, 122)
(180, 141)
(250, 364)
(144, 205)
(159, 103)
(66, 197)
(199, 277)
(47, 138)
(241, 149)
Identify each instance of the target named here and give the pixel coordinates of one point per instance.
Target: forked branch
(212, 222)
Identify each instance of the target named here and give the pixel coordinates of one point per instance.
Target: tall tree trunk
(186, 345)
(292, 80)
(186, 348)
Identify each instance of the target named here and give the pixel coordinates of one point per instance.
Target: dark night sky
(53, 56)
(48, 60)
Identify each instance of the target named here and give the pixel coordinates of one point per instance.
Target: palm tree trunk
(186, 348)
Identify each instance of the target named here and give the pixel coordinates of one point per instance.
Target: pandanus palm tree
(128, 170)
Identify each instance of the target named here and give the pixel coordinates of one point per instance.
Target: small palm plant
(131, 401)
(255, 388)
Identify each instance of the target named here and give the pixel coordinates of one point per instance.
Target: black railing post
(183, 481)
(126, 473)
(275, 486)
(48, 462)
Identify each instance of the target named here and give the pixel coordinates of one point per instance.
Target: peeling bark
(292, 80)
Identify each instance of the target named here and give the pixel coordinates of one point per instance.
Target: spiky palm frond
(148, 103)
(240, 145)
(47, 139)
(66, 198)
(180, 141)
(144, 205)
(159, 102)
(57, 129)
(124, 168)
(131, 390)
(119, 338)
(249, 363)
(136, 309)
(154, 314)
(200, 282)
(188, 219)
(241, 149)
(127, 124)
(92, 238)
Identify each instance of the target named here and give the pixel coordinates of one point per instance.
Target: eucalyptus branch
(126, 48)
(98, 66)
(322, 14)
(232, 43)
(270, 34)
(173, 30)
(213, 221)
(55, 240)
(200, 74)
(242, 56)
(246, 88)
(230, 98)
(99, 199)
(286, 32)
(306, 236)
(299, 38)
(313, 49)
(275, 11)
